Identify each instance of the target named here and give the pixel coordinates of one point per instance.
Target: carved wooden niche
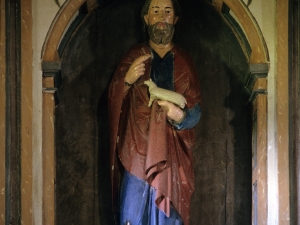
(80, 70)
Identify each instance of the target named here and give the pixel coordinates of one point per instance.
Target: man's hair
(147, 3)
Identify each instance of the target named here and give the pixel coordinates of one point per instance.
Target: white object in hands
(164, 94)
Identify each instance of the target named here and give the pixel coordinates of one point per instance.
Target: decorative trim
(259, 88)
(242, 39)
(259, 53)
(256, 71)
(51, 66)
(82, 13)
(53, 71)
(52, 79)
(49, 90)
(57, 3)
(13, 112)
(57, 28)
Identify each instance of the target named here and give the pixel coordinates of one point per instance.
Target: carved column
(257, 83)
(51, 71)
(51, 75)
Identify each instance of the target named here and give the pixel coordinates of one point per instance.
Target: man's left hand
(173, 112)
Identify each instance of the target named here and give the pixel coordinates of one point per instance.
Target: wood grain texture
(57, 29)
(259, 52)
(48, 159)
(222, 156)
(294, 114)
(282, 71)
(26, 112)
(259, 174)
(2, 110)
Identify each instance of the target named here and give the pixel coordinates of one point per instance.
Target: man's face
(160, 20)
(160, 11)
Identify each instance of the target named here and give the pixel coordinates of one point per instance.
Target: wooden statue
(151, 147)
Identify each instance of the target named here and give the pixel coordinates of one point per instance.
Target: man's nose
(162, 15)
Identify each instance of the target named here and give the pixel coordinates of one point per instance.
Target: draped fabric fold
(145, 143)
(157, 152)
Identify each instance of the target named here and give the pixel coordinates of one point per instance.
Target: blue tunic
(162, 70)
(138, 206)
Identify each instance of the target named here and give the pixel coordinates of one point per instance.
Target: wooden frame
(16, 127)
(51, 68)
(294, 113)
(282, 111)
(2, 110)
(26, 112)
(259, 172)
(259, 56)
(13, 111)
(259, 60)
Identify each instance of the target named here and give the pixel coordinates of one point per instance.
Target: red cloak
(146, 144)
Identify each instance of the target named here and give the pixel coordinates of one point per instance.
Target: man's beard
(161, 36)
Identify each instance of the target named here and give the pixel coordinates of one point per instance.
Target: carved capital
(51, 75)
(256, 82)
(51, 78)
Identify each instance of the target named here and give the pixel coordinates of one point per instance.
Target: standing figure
(151, 147)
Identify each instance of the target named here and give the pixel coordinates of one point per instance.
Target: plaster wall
(43, 13)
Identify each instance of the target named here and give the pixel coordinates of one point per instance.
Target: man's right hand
(136, 69)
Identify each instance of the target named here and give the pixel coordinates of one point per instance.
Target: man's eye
(155, 11)
(168, 11)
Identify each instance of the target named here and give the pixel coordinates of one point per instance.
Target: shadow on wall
(222, 156)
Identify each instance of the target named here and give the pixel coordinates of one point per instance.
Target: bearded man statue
(151, 147)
